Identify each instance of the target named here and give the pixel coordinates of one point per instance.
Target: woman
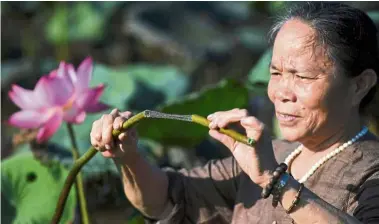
(324, 73)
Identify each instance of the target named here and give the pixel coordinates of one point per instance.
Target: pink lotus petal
(71, 73)
(97, 107)
(50, 127)
(61, 71)
(80, 118)
(53, 74)
(28, 119)
(89, 97)
(67, 70)
(23, 98)
(61, 88)
(84, 74)
(74, 115)
(43, 92)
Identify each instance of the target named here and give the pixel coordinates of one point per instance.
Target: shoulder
(364, 199)
(369, 147)
(282, 148)
(365, 159)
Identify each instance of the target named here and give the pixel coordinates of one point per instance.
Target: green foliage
(136, 218)
(260, 73)
(30, 190)
(253, 38)
(269, 7)
(227, 95)
(374, 15)
(78, 21)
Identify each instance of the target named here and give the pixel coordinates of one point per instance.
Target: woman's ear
(362, 85)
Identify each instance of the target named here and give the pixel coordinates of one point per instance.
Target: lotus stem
(91, 152)
(79, 180)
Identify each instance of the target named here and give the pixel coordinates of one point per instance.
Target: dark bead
(264, 193)
(280, 169)
(276, 174)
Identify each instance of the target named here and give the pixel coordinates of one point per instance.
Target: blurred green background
(176, 57)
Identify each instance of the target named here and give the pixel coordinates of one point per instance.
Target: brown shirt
(220, 192)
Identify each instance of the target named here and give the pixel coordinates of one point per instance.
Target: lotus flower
(62, 95)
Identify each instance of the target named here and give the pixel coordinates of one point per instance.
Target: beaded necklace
(297, 151)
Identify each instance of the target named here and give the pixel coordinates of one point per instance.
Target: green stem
(79, 179)
(126, 125)
(62, 47)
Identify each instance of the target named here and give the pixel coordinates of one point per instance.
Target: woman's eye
(303, 77)
(275, 73)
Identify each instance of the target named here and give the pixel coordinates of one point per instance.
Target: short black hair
(348, 33)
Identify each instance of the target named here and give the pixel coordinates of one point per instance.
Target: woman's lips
(286, 118)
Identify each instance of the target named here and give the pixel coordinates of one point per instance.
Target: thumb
(253, 127)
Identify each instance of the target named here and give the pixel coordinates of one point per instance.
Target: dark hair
(348, 33)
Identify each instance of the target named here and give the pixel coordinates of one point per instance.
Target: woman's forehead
(296, 47)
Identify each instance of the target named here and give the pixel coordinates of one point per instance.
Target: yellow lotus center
(69, 103)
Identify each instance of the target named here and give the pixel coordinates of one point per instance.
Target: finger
(117, 124)
(122, 117)
(95, 134)
(122, 136)
(96, 130)
(126, 114)
(213, 115)
(95, 143)
(131, 134)
(107, 127)
(108, 154)
(216, 114)
(226, 118)
(214, 118)
(254, 128)
(231, 117)
(115, 112)
(224, 139)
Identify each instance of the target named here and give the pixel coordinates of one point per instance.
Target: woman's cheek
(271, 90)
(310, 96)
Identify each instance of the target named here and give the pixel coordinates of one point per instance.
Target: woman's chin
(290, 134)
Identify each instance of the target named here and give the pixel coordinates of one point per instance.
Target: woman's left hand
(255, 161)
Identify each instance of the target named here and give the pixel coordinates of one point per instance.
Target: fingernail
(210, 116)
(210, 125)
(121, 137)
(107, 146)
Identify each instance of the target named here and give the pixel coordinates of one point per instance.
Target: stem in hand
(79, 163)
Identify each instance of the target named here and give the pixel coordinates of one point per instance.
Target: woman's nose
(284, 93)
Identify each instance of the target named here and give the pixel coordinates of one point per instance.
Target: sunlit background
(176, 57)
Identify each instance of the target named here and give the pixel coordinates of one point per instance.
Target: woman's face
(311, 100)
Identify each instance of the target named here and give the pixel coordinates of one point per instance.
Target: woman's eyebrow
(270, 65)
(291, 70)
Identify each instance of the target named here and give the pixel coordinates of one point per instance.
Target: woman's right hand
(124, 146)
